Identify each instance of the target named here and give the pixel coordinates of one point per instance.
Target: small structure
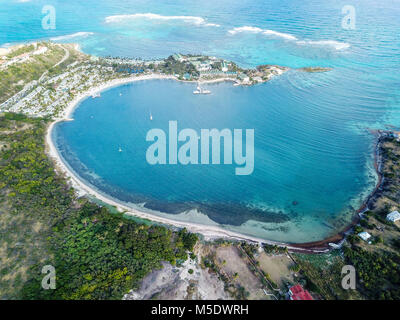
(224, 66)
(204, 66)
(364, 235)
(298, 293)
(393, 216)
(178, 57)
(243, 77)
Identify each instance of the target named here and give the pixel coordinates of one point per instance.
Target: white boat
(199, 90)
(96, 95)
(119, 150)
(151, 117)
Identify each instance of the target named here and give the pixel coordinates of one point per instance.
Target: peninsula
(43, 78)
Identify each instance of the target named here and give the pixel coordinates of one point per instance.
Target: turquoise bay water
(313, 147)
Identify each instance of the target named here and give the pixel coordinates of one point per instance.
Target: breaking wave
(263, 31)
(329, 43)
(152, 16)
(322, 43)
(72, 36)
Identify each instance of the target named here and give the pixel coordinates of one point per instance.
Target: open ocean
(313, 147)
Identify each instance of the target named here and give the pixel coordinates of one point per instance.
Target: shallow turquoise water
(312, 141)
(306, 157)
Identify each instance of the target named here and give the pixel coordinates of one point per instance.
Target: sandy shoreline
(209, 232)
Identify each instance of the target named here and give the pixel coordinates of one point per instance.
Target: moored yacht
(199, 90)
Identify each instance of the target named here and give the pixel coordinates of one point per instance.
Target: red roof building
(298, 293)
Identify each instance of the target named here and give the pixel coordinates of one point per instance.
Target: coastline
(209, 232)
(365, 205)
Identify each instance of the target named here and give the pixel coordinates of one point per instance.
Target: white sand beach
(4, 51)
(209, 232)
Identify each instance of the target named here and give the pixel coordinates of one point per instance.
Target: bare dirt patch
(236, 268)
(185, 282)
(277, 266)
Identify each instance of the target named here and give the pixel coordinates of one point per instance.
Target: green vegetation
(378, 272)
(274, 249)
(321, 274)
(21, 50)
(172, 66)
(250, 249)
(377, 264)
(97, 254)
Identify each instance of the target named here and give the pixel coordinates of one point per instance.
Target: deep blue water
(313, 146)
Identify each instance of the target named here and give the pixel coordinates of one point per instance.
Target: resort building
(364, 235)
(243, 77)
(224, 66)
(298, 293)
(393, 216)
(178, 57)
(204, 66)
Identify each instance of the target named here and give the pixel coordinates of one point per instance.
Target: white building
(364, 235)
(41, 50)
(204, 67)
(224, 66)
(393, 216)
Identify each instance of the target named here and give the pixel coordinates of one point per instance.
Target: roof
(298, 293)
(177, 56)
(364, 235)
(393, 216)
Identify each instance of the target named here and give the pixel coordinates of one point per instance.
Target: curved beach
(208, 231)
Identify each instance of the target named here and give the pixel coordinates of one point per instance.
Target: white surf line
(289, 37)
(71, 36)
(154, 16)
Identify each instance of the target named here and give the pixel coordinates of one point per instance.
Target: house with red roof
(298, 293)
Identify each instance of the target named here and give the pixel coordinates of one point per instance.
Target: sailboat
(151, 117)
(199, 90)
